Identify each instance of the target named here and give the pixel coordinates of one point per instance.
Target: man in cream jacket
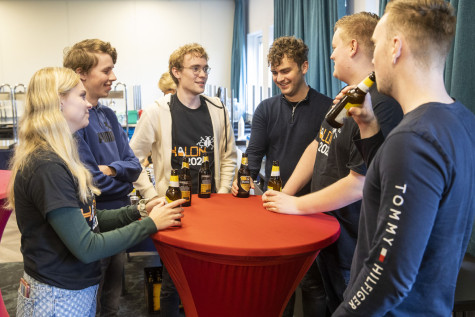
(186, 123)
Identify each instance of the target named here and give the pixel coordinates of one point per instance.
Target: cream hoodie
(154, 134)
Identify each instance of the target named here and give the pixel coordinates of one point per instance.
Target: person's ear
(176, 72)
(353, 47)
(396, 49)
(82, 74)
(304, 67)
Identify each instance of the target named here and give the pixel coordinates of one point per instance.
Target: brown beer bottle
(275, 182)
(204, 179)
(173, 192)
(185, 181)
(244, 178)
(353, 98)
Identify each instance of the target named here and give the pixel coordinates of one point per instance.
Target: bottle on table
(204, 179)
(353, 98)
(173, 192)
(185, 181)
(244, 178)
(275, 182)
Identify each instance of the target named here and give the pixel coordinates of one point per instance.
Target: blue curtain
(460, 65)
(238, 57)
(313, 22)
(382, 5)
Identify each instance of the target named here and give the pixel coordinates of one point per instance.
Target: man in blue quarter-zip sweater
(104, 149)
(282, 128)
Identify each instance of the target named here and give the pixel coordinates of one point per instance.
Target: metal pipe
(126, 106)
(13, 109)
(15, 114)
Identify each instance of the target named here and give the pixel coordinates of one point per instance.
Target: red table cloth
(232, 257)
(4, 213)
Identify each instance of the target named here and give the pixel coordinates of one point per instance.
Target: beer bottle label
(277, 189)
(275, 171)
(205, 184)
(185, 194)
(245, 161)
(246, 183)
(185, 165)
(366, 84)
(168, 199)
(185, 190)
(344, 113)
(174, 181)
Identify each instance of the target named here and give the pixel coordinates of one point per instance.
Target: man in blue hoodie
(104, 149)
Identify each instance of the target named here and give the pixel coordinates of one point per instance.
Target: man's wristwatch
(141, 207)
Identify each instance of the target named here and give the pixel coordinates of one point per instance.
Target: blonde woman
(166, 84)
(63, 236)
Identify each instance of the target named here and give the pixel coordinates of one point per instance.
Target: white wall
(261, 19)
(366, 5)
(33, 34)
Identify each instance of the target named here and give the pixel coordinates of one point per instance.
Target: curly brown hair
(177, 57)
(83, 54)
(290, 47)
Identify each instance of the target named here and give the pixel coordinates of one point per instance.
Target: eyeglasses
(197, 69)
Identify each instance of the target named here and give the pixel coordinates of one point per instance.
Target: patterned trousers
(46, 300)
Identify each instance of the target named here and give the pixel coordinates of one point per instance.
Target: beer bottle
(244, 178)
(275, 182)
(185, 181)
(353, 98)
(173, 192)
(204, 179)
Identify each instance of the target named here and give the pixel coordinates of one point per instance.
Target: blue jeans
(335, 278)
(169, 298)
(110, 287)
(313, 295)
(47, 300)
(112, 271)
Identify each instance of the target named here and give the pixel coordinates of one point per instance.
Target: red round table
(4, 213)
(231, 257)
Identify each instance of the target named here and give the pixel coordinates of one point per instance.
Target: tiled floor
(10, 243)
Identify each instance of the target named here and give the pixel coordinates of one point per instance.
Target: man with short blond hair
(418, 205)
(104, 149)
(186, 123)
(332, 162)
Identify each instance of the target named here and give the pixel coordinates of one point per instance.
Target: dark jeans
(313, 295)
(335, 278)
(169, 298)
(110, 287)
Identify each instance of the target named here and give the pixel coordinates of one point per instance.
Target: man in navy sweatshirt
(282, 127)
(104, 149)
(418, 207)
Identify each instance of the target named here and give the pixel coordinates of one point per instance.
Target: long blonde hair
(43, 127)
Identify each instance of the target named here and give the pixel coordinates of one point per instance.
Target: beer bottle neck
(174, 182)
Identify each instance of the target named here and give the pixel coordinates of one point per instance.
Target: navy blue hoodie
(104, 142)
